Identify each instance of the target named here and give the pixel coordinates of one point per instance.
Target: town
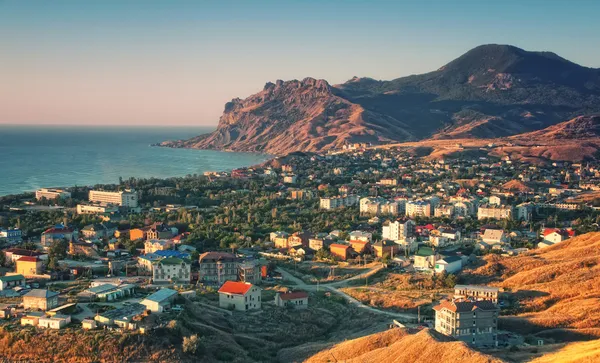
(380, 230)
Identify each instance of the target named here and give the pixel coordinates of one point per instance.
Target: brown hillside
(557, 287)
(398, 346)
(586, 352)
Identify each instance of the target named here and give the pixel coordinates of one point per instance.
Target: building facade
(50, 193)
(127, 198)
(473, 322)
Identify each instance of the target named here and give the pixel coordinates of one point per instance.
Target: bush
(192, 345)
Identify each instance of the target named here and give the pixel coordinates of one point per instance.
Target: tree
(2, 258)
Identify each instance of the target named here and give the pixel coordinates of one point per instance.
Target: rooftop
(466, 306)
(41, 293)
(236, 288)
(161, 295)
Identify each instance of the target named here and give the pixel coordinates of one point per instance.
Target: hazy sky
(178, 62)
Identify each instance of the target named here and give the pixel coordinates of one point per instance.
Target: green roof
(10, 278)
(425, 252)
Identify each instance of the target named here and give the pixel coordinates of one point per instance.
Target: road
(333, 287)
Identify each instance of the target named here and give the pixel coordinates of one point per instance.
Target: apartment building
(171, 269)
(418, 208)
(338, 202)
(49, 193)
(218, 267)
(96, 209)
(378, 206)
(473, 322)
(398, 230)
(124, 198)
(495, 211)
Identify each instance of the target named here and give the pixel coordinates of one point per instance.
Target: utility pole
(419, 314)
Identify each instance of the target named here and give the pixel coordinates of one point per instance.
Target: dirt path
(333, 287)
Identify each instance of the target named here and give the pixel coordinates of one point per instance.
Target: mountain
(296, 115)
(490, 91)
(581, 127)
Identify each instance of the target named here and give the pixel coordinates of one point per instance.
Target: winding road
(333, 287)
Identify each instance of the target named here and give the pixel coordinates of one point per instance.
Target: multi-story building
(144, 262)
(171, 269)
(96, 209)
(388, 181)
(249, 271)
(57, 233)
(218, 267)
(473, 322)
(378, 206)
(399, 230)
(301, 194)
(495, 211)
(418, 208)
(338, 202)
(161, 231)
(241, 296)
(50, 193)
(11, 235)
(124, 198)
(444, 210)
(476, 292)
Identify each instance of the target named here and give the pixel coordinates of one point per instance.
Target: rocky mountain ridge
(490, 91)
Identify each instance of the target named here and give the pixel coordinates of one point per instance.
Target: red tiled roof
(293, 295)
(236, 288)
(28, 259)
(465, 306)
(210, 256)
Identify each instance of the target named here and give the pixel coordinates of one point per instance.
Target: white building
(171, 270)
(54, 322)
(419, 208)
(399, 230)
(337, 202)
(295, 299)
(96, 209)
(127, 198)
(360, 236)
(241, 296)
(160, 300)
(378, 206)
(51, 193)
(448, 264)
(494, 212)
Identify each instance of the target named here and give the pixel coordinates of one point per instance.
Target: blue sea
(33, 157)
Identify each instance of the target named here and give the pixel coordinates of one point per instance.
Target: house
(360, 236)
(94, 231)
(554, 235)
(249, 271)
(145, 262)
(39, 299)
(121, 317)
(296, 299)
(32, 318)
(340, 251)
(10, 281)
(57, 233)
(161, 231)
(88, 324)
(475, 292)
(448, 264)
(360, 246)
(11, 235)
(172, 270)
(298, 239)
(13, 254)
(218, 267)
(473, 322)
(138, 233)
(241, 296)
(85, 249)
(153, 245)
(160, 300)
(425, 259)
(494, 237)
(385, 247)
(29, 266)
(57, 321)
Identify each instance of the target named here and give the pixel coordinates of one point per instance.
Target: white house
(160, 300)
(54, 322)
(242, 296)
(449, 264)
(296, 299)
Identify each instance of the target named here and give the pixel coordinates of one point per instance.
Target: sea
(33, 157)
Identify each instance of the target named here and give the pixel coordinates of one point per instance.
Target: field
(311, 272)
(402, 292)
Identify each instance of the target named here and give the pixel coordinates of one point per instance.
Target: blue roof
(172, 253)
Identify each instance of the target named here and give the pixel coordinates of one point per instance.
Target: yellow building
(29, 266)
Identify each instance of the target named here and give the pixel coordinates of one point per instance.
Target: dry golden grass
(396, 346)
(584, 352)
(400, 300)
(557, 287)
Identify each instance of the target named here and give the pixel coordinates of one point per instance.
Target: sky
(170, 63)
